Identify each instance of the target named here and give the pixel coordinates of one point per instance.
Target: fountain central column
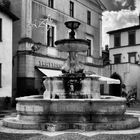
(72, 64)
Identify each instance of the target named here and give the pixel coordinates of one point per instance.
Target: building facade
(41, 24)
(6, 30)
(124, 57)
(125, 45)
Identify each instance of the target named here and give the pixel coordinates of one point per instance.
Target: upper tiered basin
(72, 45)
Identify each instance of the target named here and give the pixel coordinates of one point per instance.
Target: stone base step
(128, 123)
(5, 113)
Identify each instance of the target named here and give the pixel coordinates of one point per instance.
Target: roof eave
(124, 29)
(8, 13)
(100, 5)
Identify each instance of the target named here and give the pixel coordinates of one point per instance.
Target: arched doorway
(115, 89)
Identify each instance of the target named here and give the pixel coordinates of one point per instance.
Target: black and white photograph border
(69, 69)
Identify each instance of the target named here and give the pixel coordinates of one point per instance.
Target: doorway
(115, 89)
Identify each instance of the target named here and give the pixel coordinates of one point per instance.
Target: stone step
(134, 114)
(4, 113)
(133, 111)
(128, 123)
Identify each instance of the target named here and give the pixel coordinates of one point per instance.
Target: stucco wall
(60, 14)
(15, 8)
(6, 56)
(129, 74)
(124, 38)
(80, 9)
(138, 36)
(125, 49)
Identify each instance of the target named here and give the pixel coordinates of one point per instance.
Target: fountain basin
(55, 86)
(106, 113)
(72, 45)
(105, 105)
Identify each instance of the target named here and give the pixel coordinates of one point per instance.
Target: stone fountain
(71, 100)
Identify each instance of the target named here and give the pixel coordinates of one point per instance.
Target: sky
(119, 14)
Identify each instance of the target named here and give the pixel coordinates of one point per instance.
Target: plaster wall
(80, 9)
(30, 10)
(60, 14)
(129, 74)
(15, 8)
(124, 53)
(125, 48)
(138, 36)
(111, 41)
(124, 38)
(6, 56)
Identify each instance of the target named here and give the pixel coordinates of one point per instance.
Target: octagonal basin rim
(78, 40)
(102, 99)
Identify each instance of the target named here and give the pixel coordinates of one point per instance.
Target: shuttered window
(50, 36)
(131, 38)
(71, 9)
(117, 40)
(132, 57)
(88, 17)
(0, 75)
(51, 3)
(89, 47)
(0, 29)
(117, 58)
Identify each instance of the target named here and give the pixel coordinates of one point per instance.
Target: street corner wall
(134, 80)
(6, 57)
